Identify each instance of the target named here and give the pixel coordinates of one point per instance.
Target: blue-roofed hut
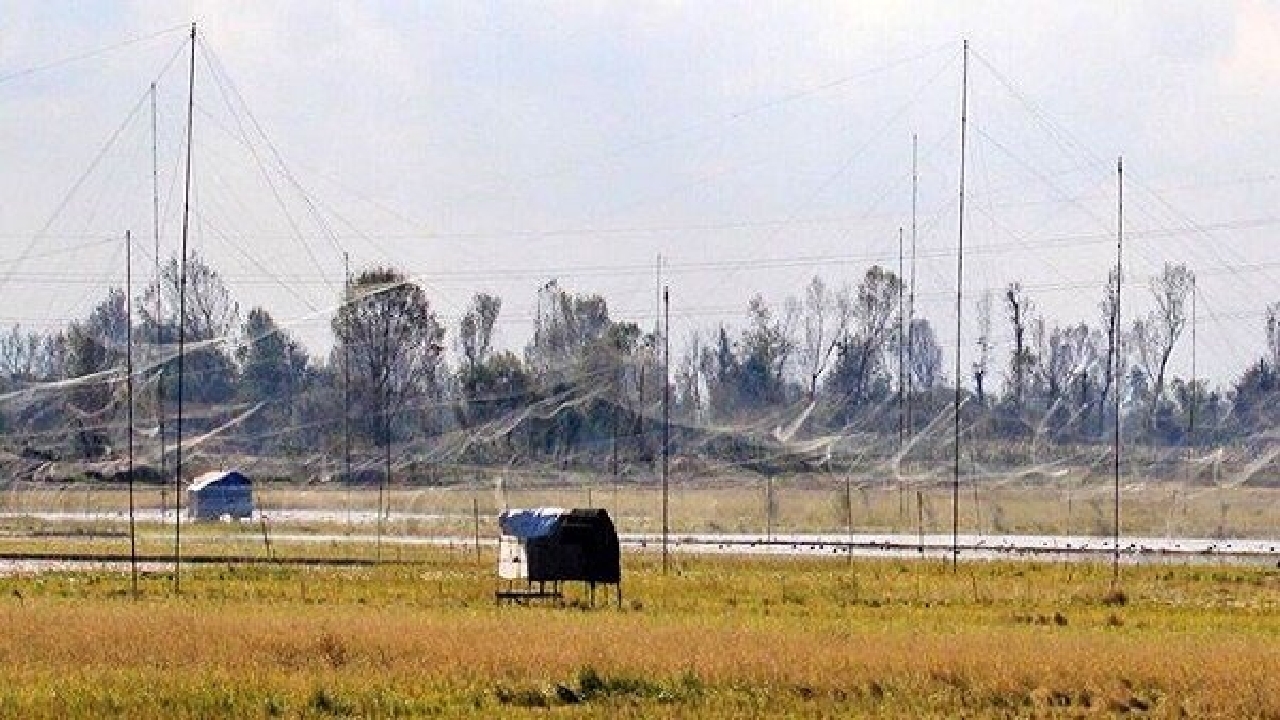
(218, 493)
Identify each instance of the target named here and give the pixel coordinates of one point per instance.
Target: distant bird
(18, 594)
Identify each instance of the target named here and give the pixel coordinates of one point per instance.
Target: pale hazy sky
(493, 146)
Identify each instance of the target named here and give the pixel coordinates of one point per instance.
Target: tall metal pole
(657, 290)
(385, 482)
(666, 421)
(902, 353)
(128, 365)
(955, 466)
(1115, 524)
(155, 237)
(642, 436)
(346, 383)
(182, 326)
(911, 297)
(1195, 388)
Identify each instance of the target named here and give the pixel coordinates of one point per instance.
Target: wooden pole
(266, 536)
(848, 514)
(128, 299)
(384, 483)
(475, 517)
(920, 520)
(768, 507)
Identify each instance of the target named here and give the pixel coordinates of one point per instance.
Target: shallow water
(1133, 549)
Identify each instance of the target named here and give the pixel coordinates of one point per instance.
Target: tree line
(835, 361)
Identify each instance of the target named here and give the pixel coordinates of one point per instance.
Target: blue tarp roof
(530, 522)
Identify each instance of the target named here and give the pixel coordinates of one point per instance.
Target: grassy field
(717, 637)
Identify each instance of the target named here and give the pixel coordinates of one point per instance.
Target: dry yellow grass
(721, 637)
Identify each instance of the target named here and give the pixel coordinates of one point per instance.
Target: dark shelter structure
(215, 494)
(546, 547)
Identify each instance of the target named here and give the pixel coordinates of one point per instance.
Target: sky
(751, 145)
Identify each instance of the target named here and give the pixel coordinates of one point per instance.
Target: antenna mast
(1195, 388)
(155, 236)
(384, 484)
(1115, 526)
(346, 386)
(902, 354)
(182, 325)
(911, 296)
(666, 419)
(955, 467)
(128, 354)
(658, 289)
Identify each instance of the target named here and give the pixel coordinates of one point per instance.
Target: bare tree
(389, 331)
(722, 369)
(767, 349)
(825, 326)
(20, 354)
(1041, 382)
(1084, 342)
(54, 360)
(475, 330)
(1022, 361)
(862, 354)
(273, 365)
(1157, 334)
(1067, 355)
(565, 325)
(212, 314)
(982, 365)
(211, 310)
(94, 346)
(689, 380)
(1110, 307)
(926, 355)
(1273, 334)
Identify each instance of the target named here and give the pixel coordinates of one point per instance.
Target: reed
(721, 636)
